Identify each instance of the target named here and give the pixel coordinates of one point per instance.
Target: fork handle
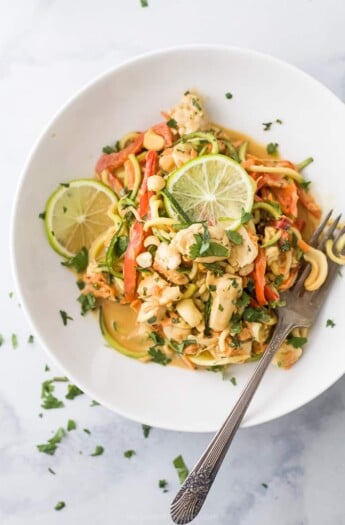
(192, 494)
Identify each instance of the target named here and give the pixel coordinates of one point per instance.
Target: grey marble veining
(48, 50)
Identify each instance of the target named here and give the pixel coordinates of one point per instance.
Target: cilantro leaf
(51, 446)
(129, 453)
(65, 317)
(172, 123)
(88, 302)
(158, 356)
(95, 403)
(305, 184)
(60, 505)
(243, 301)
(146, 430)
(245, 216)
(79, 262)
(42, 215)
(267, 125)
(296, 342)
(71, 425)
(14, 340)
(181, 468)
(162, 484)
(98, 451)
(228, 95)
(1, 340)
(234, 237)
(272, 148)
(330, 323)
(233, 381)
(144, 3)
(255, 315)
(73, 391)
(31, 339)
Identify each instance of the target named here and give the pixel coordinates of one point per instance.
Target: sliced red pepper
(259, 277)
(287, 197)
(115, 160)
(270, 293)
(129, 266)
(115, 184)
(164, 131)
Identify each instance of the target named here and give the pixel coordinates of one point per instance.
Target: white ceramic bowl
(131, 97)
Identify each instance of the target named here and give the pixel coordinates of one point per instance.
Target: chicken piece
(167, 260)
(149, 310)
(244, 254)
(287, 355)
(189, 312)
(176, 328)
(154, 287)
(227, 289)
(185, 239)
(189, 114)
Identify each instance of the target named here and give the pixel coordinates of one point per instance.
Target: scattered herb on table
(71, 425)
(14, 340)
(51, 471)
(272, 148)
(10, 295)
(146, 430)
(73, 391)
(330, 323)
(51, 446)
(228, 95)
(60, 505)
(98, 451)
(42, 215)
(163, 484)
(264, 485)
(144, 3)
(94, 403)
(129, 453)
(267, 125)
(46, 368)
(1, 340)
(87, 431)
(31, 339)
(181, 468)
(233, 381)
(65, 317)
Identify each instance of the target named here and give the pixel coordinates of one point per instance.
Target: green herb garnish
(296, 342)
(51, 471)
(162, 484)
(264, 485)
(71, 425)
(31, 339)
(87, 431)
(146, 430)
(14, 340)
(255, 315)
(196, 104)
(95, 403)
(285, 246)
(272, 148)
(42, 215)
(51, 446)
(172, 123)
(144, 3)
(158, 356)
(245, 216)
(243, 301)
(129, 453)
(98, 451)
(65, 317)
(88, 302)
(1, 340)
(60, 505)
(233, 381)
(267, 125)
(228, 95)
(79, 262)
(330, 323)
(234, 237)
(73, 391)
(181, 468)
(305, 184)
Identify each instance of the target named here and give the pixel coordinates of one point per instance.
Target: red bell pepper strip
(115, 184)
(137, 234)
(129, 271)
(270, 293)
(115, 160)
(164, 131)
(287, 197)
(259, 277)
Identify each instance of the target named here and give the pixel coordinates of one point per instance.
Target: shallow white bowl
(131, 97)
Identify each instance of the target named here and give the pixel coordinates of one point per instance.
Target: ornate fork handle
(191, 496)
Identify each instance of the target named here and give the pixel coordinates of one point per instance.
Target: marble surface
(48, 50)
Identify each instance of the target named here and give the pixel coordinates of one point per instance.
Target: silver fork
(301, 310)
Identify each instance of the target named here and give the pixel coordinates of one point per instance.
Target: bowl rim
(123, 64)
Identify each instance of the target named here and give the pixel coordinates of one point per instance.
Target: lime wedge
(211, 188)
(77, 213)
(207, 359)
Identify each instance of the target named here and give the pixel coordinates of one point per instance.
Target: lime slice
(77, 213)
(210, 188)
(207, 359)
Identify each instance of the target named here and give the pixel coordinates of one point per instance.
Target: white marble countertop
(48, 50)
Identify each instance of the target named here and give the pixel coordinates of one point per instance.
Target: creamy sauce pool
(120, 320)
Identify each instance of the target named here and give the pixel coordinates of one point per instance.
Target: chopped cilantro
(196, 104)
(87, 431)
(60, 505)
(129, 453)
(243, 301)
(203, 247)
(31, 339)
(285, 246)
(228, 95)
(158, 356)
(46, 368)
(88, 302)
(10, 295)
(278, 280)
(172, 123)
(267, 125)
(50, 402)
(233, 381)
(162, 484)
(279, 121)
(79, 262)
(264, 485)
(64, 184)
(256, 315)
(330, 323)
(1, 340)
(152, 319)
(156, 338)
(146, 430)
(80, 283)
(212, 287)
(245, 216)
(42, 215)
(220, 307)
(51, 446)
(51, 471)
(112, 149)
(207, 313)
(215, 268)
(181, 468)
(144, 3)
(98, 451)
(71, 425)
(65, 317)
(234, 237)
(14, 340)
(296, 342)
(73, 391)
(272, 148)
(179, 347)
(95, 403)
